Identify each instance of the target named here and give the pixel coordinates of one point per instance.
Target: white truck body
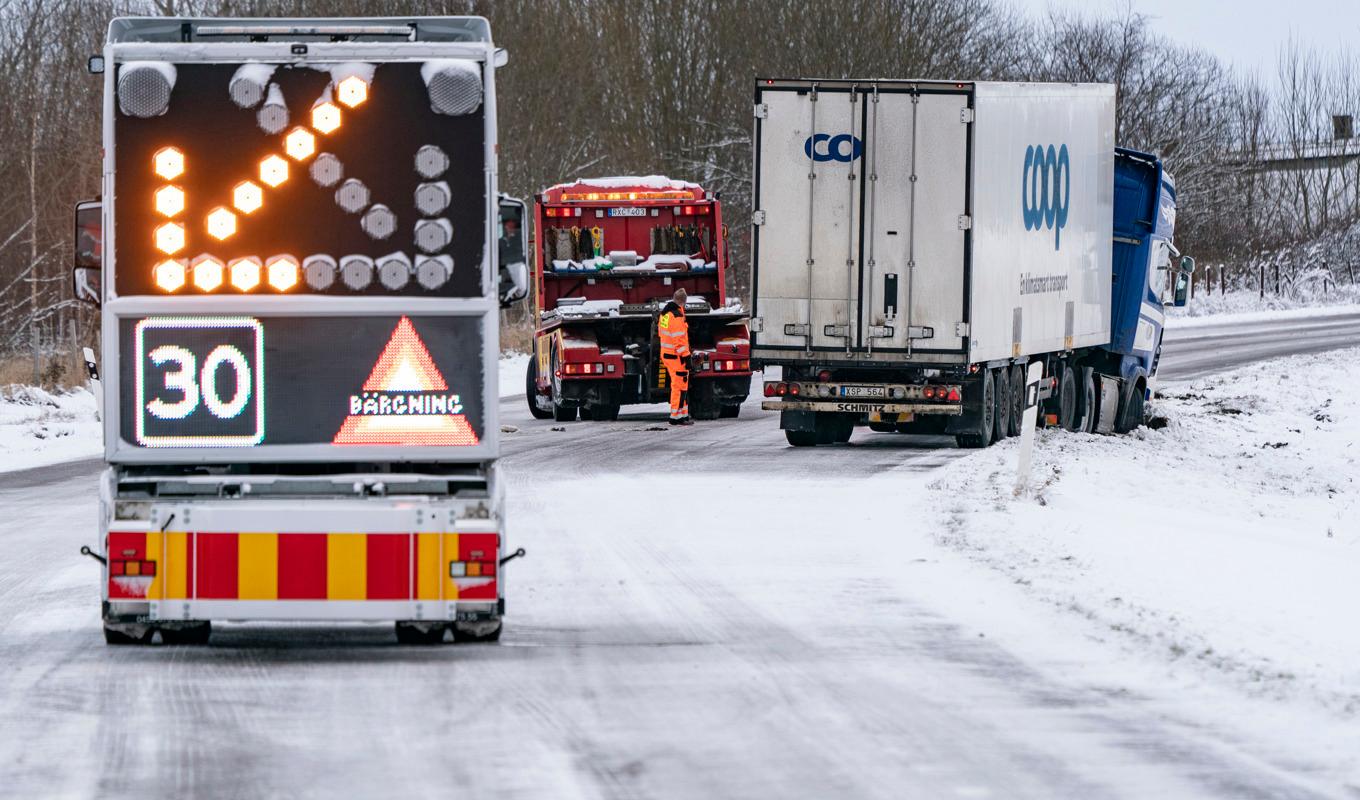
(900, 222)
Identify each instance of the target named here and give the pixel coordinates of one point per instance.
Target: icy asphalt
(672, 638)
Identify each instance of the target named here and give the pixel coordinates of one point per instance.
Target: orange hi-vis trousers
(678, 372)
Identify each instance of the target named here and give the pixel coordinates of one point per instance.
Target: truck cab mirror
(1182, 288)
(500, 58)
(1187, 265)
(512, 252)
(95, 65)
(89, 252)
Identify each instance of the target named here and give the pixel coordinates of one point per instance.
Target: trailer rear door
(864, 194)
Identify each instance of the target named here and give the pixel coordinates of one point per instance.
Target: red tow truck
(609, 253)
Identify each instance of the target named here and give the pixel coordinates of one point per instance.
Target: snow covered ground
(1224, 548)
(38, 427)
(1238, 301)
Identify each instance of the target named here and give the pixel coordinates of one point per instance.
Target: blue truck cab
(1144, 282)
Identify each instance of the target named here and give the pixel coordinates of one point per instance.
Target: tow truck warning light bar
(677, 194)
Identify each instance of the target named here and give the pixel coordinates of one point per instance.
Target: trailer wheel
(531, 391)
(843, 429)
(1002, 403)
(1017, 399)
(703, 403)
(1067, 399)
(729, 412)
(1088, 406)
(801, 438)
(480, 631)
(986, 408)
(602, 413)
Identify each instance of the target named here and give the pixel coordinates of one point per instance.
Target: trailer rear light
(781, 389)
(769, 390)
(824, 375)
(133, 568)
(794, 389)
(928, 392)
(954, 395)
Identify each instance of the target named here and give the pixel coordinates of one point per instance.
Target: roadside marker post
(1029, 420)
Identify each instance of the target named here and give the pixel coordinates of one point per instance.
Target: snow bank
(1282, 315)
(39, 428)
(511, 372)
(1238, 301)
(1225, 546)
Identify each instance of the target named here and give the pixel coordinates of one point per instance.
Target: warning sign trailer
(299, 294)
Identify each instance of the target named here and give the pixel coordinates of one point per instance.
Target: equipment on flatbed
(917, 243)
(609, 255)
(299, 300)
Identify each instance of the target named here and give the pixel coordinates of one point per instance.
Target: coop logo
(825, 147)
(1046, 190)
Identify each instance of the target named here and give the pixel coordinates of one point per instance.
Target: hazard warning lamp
(208, 273)
(282, 272)
(168, 163)
(169, 200)
(245, 273)
(169, 275)
(472, 569)
(299, 144)
(221, 223)
(352, 91)
(170, 238)
(122, 568)
(273, 171)
(325, 117)
(247, 196)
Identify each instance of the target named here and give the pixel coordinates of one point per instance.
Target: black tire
(408, 633)
(729, 412)
(1017, 399)
(801, 438)
(1087, 423)
(703, 405)
(467, 636)
(607, 413)
(199, 633)
(560, 412)
(1132, 409)
(117, 637)
(1002, 404)
(1067, 399)
(843, 430)
(531, 390)
(987, 406)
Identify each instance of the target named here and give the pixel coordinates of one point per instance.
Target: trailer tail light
(132, 569)
(690, 211)
(824, 375)
(794, 389)
(781, 389)
(954, 395)
(928, 393)
(769, 390)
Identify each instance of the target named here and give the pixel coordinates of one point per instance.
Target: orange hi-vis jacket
(674, 332)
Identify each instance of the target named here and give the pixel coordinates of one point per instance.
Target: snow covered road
(768, 622)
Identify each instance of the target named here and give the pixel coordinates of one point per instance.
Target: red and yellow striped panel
(314, 566)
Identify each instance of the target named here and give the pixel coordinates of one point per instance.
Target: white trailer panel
(894, 224)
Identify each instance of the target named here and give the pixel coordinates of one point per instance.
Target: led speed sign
(350, 382)
(268, 179)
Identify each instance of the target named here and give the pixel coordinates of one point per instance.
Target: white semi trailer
(916, 243)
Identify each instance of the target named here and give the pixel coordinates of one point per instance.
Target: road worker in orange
(673, 330)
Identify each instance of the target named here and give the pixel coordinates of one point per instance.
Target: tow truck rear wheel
(531, 391)
(729, 412)
(560, 412)
(420, 632)
(982, 436)
(601, 413)
(1002, 406)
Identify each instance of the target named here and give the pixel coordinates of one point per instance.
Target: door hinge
(757, 217)
(965, 222)
(797, 329)
(967, 115)
(762, 110)
(961, 329)
(920, 332)
(836, 331)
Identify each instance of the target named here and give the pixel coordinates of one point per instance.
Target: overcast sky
(1245, 33)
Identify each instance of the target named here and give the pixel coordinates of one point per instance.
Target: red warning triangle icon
(404, 400)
